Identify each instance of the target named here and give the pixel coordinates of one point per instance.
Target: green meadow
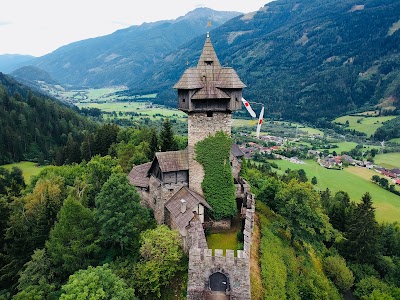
(108, 94)
(343, 147)
(353, 180)
(388, 160)
(368, 125)
(28, 168)
(347, 146)
(138, 107)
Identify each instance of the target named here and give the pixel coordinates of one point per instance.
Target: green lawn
(368, 125)
(388, 160)
(224, 241)
(355, 182)
(29, 169)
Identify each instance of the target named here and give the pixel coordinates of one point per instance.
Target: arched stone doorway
(218, 282)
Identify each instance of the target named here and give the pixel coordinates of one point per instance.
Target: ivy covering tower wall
(213, 154)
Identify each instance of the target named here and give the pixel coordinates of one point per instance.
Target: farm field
(29, 169)
(108, 94)
(388, 160)
(137, 107)
(269, 125)
(347, 146)
(368, 125)
(355, 182)
(342, 147)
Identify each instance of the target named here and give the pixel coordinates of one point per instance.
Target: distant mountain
(33, 77)
(11, 62)
(122, 57)
(304, 59)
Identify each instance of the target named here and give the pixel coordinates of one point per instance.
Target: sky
(38, 27)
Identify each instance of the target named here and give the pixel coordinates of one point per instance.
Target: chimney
(183, 205)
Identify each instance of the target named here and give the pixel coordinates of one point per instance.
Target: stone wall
(202, 264)
(200, 127)
(195, 236)
(158, 195)
(249, 222)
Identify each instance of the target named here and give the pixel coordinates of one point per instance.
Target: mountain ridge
(122, 56)
(302, 58)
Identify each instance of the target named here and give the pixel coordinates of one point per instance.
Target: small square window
(209, 114)
(183, 100)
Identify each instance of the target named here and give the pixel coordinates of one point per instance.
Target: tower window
(183, 100)
(209, 114)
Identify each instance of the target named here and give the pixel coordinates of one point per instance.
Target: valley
(130, 167)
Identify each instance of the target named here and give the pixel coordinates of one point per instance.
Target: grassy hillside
(355, 182)
(368, 125)
(28, 168)
(388, 160)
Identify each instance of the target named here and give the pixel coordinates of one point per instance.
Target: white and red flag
(248, 107)
(260, 120)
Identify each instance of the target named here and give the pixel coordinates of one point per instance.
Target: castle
(171, 184)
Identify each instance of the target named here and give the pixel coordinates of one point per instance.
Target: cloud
(4, 23)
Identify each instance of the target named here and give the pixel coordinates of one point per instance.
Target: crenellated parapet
(203, 264)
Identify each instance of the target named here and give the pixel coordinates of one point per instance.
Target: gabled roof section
(190, 80)
(210, 92)
(236, 151)
(227, 78)
(192, 199)
(138, 175)
(173, 161)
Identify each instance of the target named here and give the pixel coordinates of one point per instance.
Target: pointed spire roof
(208, 56)
(209, 77)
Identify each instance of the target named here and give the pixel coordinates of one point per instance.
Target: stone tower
(208, 93)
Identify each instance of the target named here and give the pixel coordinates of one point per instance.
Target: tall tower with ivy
(208, 93)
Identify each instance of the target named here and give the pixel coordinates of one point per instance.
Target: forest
(80, 228)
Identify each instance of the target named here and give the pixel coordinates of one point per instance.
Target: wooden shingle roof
(192, 199)
(236, 151)
(173, 161)
(208, 55)
(138, 175)
(209, 76)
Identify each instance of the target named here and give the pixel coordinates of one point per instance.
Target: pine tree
(153, 142)
(362, 235)
(167, 141)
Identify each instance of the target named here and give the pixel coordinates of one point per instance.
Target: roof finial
(208, 34)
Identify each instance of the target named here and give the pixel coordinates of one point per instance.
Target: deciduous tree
(120, 216)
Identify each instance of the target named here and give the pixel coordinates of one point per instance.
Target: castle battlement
(206, 256)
